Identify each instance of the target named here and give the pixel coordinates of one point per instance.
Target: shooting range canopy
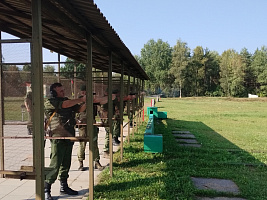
(65, 27)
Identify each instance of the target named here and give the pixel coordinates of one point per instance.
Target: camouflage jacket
(64, 116)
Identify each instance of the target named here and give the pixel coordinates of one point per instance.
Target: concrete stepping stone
(188, 141)
(190, 145)
(219, 185)
(181, 132)
(219, 198)
(184, 135)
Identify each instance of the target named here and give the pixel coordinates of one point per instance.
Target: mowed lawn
(233, 138)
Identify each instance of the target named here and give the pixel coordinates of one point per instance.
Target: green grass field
(233, 136)
(13, 110)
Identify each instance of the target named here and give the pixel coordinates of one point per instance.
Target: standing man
(82, 133)
(131, 106)
(61, 111)
(28, 105)
(116, 122)
(104, 119)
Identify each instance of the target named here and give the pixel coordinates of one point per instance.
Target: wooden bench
(156, 113)
(153, 143)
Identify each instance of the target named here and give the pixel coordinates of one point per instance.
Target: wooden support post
(143, 101)
(134, 107)
(128, 108)
(37, 99)
(137, 105)
(140, 101)
(110, 114)
(121, 107)
(89, 113)
(74, 95)
(2, 155)
(58, 67)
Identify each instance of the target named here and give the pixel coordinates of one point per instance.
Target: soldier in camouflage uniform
(115, 123)
(132, 109)
(61, 150)
(116, 120)
(82, 133)
(131, 114)
(28, 105)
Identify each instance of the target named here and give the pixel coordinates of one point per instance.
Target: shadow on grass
(167, 175)
(216, 158)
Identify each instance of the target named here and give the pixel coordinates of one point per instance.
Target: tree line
(67, 70)
(177, 70)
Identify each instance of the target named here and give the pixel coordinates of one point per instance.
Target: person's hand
(113, 96)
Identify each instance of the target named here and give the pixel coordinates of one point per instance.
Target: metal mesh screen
(16, 82)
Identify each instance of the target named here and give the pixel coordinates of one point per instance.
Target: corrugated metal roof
(65, 24)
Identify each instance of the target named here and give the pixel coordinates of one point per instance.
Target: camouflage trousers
(115, 133)
(81, 150)
(131, 117)
(29, 124)
(60, 159)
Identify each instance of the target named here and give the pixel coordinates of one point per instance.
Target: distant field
(241, 121)
(13, 110)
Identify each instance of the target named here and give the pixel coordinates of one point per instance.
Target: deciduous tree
(180, 59)
(232, 74)
(49, 70)
(68, 70)
(259, 68)
(156, 59)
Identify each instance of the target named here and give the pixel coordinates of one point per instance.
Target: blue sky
(218, 25)
(21, 52)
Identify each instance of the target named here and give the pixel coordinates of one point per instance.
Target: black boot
(64, 188)
(98, 165)
(29, 131)
(116, 141)
(81, 166)
(47, 191)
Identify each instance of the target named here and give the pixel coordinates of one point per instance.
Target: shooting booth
(77, 30)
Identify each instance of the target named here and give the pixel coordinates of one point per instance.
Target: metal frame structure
(78, 30)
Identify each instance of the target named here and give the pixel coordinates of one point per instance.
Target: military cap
(115, 91)
(83, 88)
